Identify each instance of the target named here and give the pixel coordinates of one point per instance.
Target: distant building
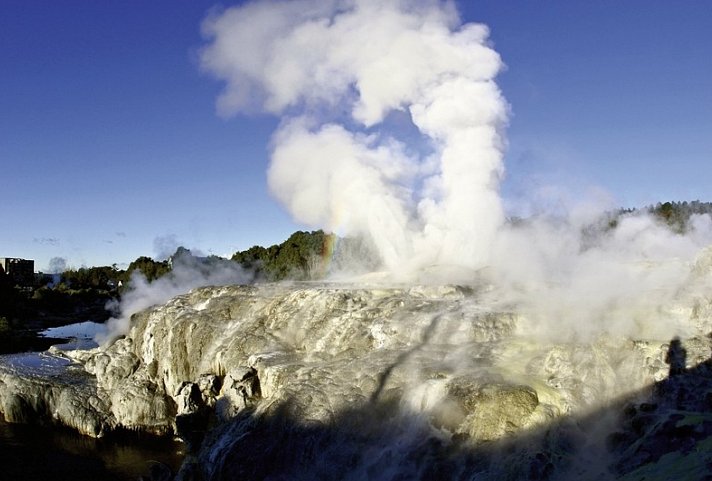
(20, 271)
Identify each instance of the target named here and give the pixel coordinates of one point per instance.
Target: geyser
(392, 129)
(522, 375)
(337, 72)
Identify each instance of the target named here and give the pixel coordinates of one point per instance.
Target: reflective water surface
(29, 452)
(41, 452)
(79, 330)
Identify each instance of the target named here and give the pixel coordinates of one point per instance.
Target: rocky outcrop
(399, 372)
(38, 387)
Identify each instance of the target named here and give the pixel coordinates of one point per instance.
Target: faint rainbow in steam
(327, 253)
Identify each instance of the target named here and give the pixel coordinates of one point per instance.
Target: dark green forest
(296, 258)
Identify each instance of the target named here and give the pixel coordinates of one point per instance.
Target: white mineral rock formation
(330, 355)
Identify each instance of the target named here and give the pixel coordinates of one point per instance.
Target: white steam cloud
(57, 265)
(188, 272)
(343, 74)
(572, 281)
(335, 71)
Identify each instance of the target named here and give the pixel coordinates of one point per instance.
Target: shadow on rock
(662, 432)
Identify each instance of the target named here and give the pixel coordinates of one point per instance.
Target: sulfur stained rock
(492, 411)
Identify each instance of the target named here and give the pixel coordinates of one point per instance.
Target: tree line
(301, 256)
(83, 291)
(676, 215)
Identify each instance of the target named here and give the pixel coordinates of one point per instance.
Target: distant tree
(251, 258)
(292, 259)
(180, 253)
(676, 215)
(103, 277)
(6, 335)
(12, 299)
(5, 327)
(150, 268)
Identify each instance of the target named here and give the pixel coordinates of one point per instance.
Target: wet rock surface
(338, 382)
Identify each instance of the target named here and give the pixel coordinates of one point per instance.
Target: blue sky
(110, 147)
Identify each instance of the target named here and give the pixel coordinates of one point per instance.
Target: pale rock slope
(356, 382)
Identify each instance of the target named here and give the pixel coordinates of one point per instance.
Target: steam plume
(574, 281)
(336, 72)
(188, 272)
(343, 74)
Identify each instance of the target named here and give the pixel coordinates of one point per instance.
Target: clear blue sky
(110, 147)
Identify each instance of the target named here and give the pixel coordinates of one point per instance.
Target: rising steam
(188, 272)
(344, 74)
(338, 72)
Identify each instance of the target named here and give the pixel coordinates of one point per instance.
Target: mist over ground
(187, 272)
(343, 76)
(393, 132)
